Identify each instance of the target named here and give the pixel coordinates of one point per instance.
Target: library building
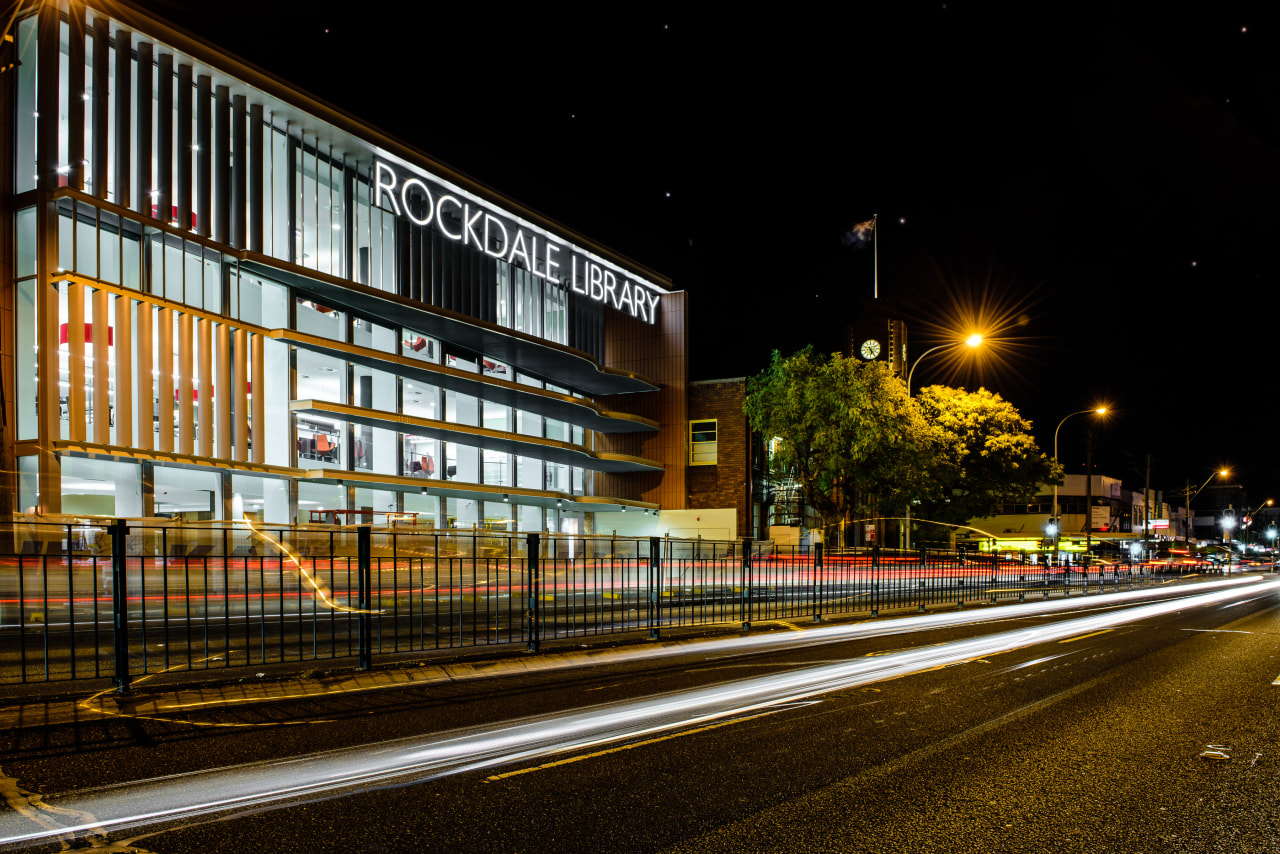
(224, 299)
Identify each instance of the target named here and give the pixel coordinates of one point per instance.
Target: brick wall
(726, 484)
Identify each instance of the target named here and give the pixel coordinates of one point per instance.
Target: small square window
(702, 443)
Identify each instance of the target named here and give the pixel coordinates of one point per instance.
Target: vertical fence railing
(121, 600)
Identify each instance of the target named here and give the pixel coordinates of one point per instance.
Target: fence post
(534, 580)
(875, 579)
(655, 579)
(119, 607)
(817, 582)
(365, 579)
(746, 584)
(924, 580)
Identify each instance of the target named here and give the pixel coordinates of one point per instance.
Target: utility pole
(1146, 508)
(1088, 498)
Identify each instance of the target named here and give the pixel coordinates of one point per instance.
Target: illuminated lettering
(595, 280)
(440, 222)
(517, 248)
(380, 171)
(408, 209)
(469, 228)
(425, 202)
(552, 265)
(491, 219)
(609, 284)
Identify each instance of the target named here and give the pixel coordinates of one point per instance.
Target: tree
(991, 457)
(848, 433)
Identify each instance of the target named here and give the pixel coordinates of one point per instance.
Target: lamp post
(974, 341)
(1088, 522)
(1190, 495)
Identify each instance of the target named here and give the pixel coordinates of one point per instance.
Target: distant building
(1111, 512)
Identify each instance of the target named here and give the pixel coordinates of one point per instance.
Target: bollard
(534, 585)
(817, 582)
(364, 580)
(746, 584)
(655, 578)
(119, 608)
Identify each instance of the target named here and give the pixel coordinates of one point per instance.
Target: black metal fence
(85, 601)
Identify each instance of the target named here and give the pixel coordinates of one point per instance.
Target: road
(1077, 725)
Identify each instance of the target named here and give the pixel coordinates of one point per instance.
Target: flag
(860, 235)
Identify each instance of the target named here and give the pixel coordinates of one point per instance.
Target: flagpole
(875, 249)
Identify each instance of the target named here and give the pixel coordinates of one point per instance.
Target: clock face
(870, 348)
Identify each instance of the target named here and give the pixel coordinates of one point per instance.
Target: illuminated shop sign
(461, 218)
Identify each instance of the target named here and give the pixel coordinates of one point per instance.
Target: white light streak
(422, 758)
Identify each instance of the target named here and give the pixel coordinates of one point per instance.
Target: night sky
(1095, 190)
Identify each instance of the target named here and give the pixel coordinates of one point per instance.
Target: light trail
(422, 758)
(293, 559)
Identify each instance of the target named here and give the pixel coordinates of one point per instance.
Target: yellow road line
(644, 743)
(1082, 637)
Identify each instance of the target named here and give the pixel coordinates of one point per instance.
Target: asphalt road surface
(1137, 722)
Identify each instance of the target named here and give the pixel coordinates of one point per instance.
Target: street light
(1191, 495)
(1101, 410)
(973, 341)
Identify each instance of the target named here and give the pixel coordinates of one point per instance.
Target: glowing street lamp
(1101, 410)
(973, 341)
(1191, 495)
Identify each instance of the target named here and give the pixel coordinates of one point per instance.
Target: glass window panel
(497, 468)
(66, 240)
(320, 443)
(26, 96)
(275, 357)
(418, 346)
(109, 247)
(375, 337)
(420, 399)
(497, 417)
(26, 231)
(422, 457)
(321, 377)
(86, 247)
(315, 498)
(316, 319)
(494, 368)
(193, 275)
(529, 473)
(461, 408)
(131, 256)
(25, 359)
(212, 280)
(499, 516)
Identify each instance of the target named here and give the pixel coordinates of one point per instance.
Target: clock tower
(878, 333)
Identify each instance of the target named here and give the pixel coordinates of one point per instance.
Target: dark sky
(1095, 189)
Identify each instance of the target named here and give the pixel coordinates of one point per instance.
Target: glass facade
(246, 318)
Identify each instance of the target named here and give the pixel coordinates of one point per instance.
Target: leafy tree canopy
(990, 455)
(847, 429)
